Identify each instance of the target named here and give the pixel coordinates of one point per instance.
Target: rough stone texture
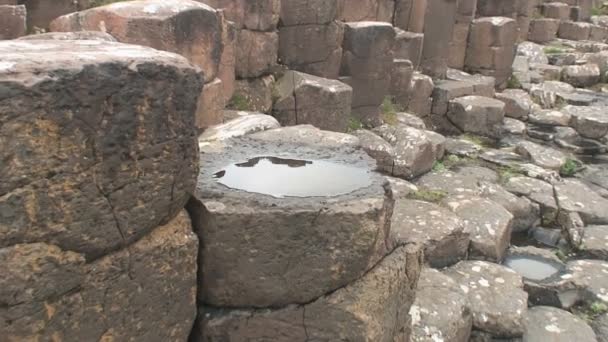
(482, 85)
(294, 12)
(373, 308)
(543, 30)
(366, 65)
(538, 192)
(420, 101)
(595, 242)
(458, 45)
(435, 51)
(491, 48)
(78, 35)
(556, 10)
(189, 28)
(365, 10)
(246, 123)
(526, 214)
(598, 33)
(437, 229)
(13, 21)
(542, 156)
(227, 68)
(256, 93)
(146, 291)
(376, 147)
(545, 323)
(210, 104)
(549, 117)
(401, 81)
(600, 326)
(408, 45)
(256, 53)
(574, 30)
(495, 294)
(534, 52)
(307, 99)
(441, 311)
(280, 232)
(518, 103)
(100, 142)
(414, 152)
(41, 12)
(487, 222)
(477, 114)
(410, 15)
(590, 122)
(312, 48)
(447, 90)
(573, 196)
(256, 15)
(546, 93)
(581, 75)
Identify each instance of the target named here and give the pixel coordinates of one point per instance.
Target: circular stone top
(33, 56)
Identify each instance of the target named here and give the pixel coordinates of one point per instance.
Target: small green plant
(439, 166)
(354, 124)
(513, 82)
(507, 172)
(238, 102)
(570, 168)
(589, 312)
(427, 195)
(479, 140)
(553, 50)
(598, 308)
(389, 110)
(602, 10)
(561, 255)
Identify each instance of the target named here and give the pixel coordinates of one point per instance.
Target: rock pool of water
(281, 177)
(532, 268)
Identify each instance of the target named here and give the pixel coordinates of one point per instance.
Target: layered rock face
(92, 228)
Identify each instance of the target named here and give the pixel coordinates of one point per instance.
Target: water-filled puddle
(532, 268)
(280, 177)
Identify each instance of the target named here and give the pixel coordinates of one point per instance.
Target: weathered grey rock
(548, 72)
(13, 18)
(458, 45)
(243, 125)
(542, 156)
(538, 192)
(573, 196)
(256, 53)
(255, 93)
(534, 52)
(447, 90)
(439, 231)
(227, 70)
(461, 180)
(401, 81)
(513, 126)
(78, 35)
(590, 122)
(307, 99)
(581, 75)
(595, 242)
(420, 101)
(574, 30)
(312, 48)
(549, 117)
(495, 294)
(145, 291)
(210, 104)
(462, 148)
(598, 33)
(600, 326)
(438, 142)
(521, 69)
(365, 10)
(408, 45)
(410, 120)
(435, 52)
(546, 93)
(543, 30)
(545, 323)
(294, 12)
(441, 310)
(256, 15)
(556, 10)
(223, 216)
(477, 114)
(487, 222)
(517, 102)
(526, 214)
(88, 168)
(41, 12)
(379, 149)
(519, 164)
(414, 152)
(373, 308)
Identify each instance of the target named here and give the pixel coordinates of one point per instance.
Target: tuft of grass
(354, 124)
(553, 50)
(561, 255)
(507, 172)
(450, 162)
(439, 166)
(589, 312)
(513, 82)
(570, 168)
(238, 102)
(603, 10)
(478, 140)
(598, 308)
(389, 110)
(427, 195)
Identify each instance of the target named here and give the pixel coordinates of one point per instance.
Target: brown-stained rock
(227, 69)
(41, 12)
(256, 15)
(210, 104)
(375, 307)
(307, 99)
(189, 28)
(543, 30)
(12, 21)
(365, 10)
(256, 53)
(78, 35)
(315, 12)
(256, 93)
(146, 291)
(99, 142)
(408, 45)
(435, 50)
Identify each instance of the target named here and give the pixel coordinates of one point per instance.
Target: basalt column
(439, 21)
(99, 156)
(283, 262)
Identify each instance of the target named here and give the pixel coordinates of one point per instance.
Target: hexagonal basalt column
(286, 216)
